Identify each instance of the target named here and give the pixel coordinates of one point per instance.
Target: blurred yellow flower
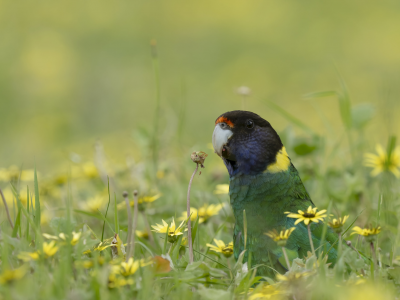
(280, 237)
(221, 189)
(60, 179)
(310, 215)
(142, 234)
(90, 170)
(147, 199)
(380, 162)
(94, 204)
(173, 232)
(62, 236)
(49, 249)
(141, 200)
(160, 174)
(337, 224)
(367, 232)
(184, 241)
(28, 256)
(267, 291)
(75, 237)
(205, 212)
(226, 250)
(293, 276)
(101, 246)
(115, 281)
(14, 173)
(9, 276)
(129, 267)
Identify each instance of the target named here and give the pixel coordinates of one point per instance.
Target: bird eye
(223, 125)
(249, 124)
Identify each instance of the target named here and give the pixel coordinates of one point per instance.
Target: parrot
(263, 185)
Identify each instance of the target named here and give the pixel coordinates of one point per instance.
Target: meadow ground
(105, 99)
(67, 234)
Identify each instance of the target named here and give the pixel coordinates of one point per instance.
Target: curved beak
(220, 138)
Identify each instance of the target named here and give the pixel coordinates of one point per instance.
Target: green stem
(154, 55)
(286, 258)
(189, 217)
(309, 236)
(373, 258)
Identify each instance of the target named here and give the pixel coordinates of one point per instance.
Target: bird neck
(245, 164)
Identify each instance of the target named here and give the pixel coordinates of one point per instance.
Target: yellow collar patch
(281, 164)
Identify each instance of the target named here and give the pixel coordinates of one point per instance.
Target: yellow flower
(49, 249)
(172, 231)
(28, 256)
(74, 241)
(337, 224)
(380, 162)
(184, 242)
(50, 237)
(266, 292)
(87, 264)
(147, 199)
(142, 234)
(160, 174)
(367, 232)
(293, 276)
(14, 173)
(115, 281)
(141, 200)
(129, 267)
(280, 237)
(205, 212)
(95, 203)
(310, 215)
(100, 246)
(90, 170)
(9, 276)
(221, 189)
(75, 237)
(226, 250)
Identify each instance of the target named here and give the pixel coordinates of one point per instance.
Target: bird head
(248, 144)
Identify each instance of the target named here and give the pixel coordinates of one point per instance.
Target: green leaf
(320, 94)
(17, 224)
(37, 202)
(27, 209)
(108, 205)
(304, 149)
(166, 240)
(116, 214)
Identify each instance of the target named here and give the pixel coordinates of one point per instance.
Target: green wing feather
(265, 198)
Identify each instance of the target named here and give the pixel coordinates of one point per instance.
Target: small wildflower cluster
(204, 213)
(382, 162)
(221, 247)
(173, 231)
(310, 215)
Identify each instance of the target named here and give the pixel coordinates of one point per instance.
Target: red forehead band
(224, 120)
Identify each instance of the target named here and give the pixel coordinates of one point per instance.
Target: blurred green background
(72, 72)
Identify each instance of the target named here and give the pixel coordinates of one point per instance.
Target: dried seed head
(243, 90)
(135, 193)
(199, 157)
(125, 194)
